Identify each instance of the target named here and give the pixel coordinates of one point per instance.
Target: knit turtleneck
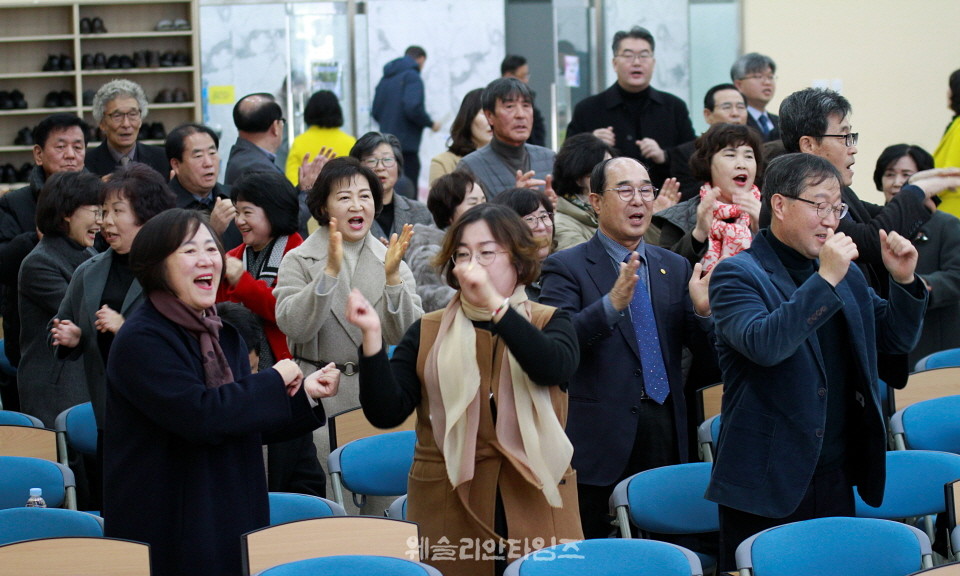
(515, 157)
(798, 266)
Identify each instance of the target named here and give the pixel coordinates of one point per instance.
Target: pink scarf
(726, 238)
(205, 328)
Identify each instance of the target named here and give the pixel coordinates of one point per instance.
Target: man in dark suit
(119, 107)
(627, 403)
(638, 120)
(755, 75)
(797, 331)
(259, 122)
(195, 159)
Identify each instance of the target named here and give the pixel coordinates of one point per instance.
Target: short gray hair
(119, 88)
(752, 63)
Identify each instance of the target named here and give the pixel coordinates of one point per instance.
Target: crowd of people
(548, 315)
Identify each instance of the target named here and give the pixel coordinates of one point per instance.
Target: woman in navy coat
(185, 419)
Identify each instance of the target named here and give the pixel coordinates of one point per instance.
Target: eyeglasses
(546, 219)
(848, 139)
(484, 257)
(824, 209)
(627, 192)
(761, 77)
(636, 56)
(117, 117)
(97, 212)
(387, 162)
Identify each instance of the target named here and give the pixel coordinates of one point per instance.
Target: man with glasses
(638, 120)
(634, 307)
(755, 75)
(817, 121)
(119, 107)
(797, 331)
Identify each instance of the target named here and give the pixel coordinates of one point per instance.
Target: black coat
(183, 464)
(664, 118)
(101, 162)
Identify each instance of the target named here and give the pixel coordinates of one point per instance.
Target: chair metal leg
(337, 488)
(623, 521)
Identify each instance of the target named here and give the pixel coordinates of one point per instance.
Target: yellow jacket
(310, 142)
(947, 155)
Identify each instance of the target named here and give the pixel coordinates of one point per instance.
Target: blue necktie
(765, 124)
(648, 342)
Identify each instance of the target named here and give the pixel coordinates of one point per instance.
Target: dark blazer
(774, 134)
(939, 266)
(245, 156)
(99, 160)
(665, 118)
(774, 401)
(602, 423)
(231, 237)
(183, 464)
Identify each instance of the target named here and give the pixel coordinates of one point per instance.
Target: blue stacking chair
(608, 557)
(18, 475)
(377, 466)
(678, 508)
(929, 425)
(77, 428)
(707, 434)
(18, 524)
(289, 507)
(847, 546)
(398, 509)
(11, 418)
(942, 359)
(352, 566)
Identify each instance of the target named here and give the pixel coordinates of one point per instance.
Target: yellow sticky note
(221, 95)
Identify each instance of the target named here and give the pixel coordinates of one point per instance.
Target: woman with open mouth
(68, 218)
(316, 277)
(103, 290)
(722, 219)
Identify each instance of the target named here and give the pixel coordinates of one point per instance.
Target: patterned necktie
(648, 342)
(124, 160)
(765, 124)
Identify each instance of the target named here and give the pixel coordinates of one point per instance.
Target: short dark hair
(891, 154)
(62, 194)
(511, 64)
(415, 52)
(523, 201)
(507, 229)
(789, 175)
(55, 123)
(334, 172)
(598, 178)
(709, 101)
(161, 237)
(366, 144)
(245, 321)
(141, 186)
(173, 145)
(576, 159)
(461, 133)
(718, 137)
(323, 110)
(807, 113)
(275, 194)
(256, 118)
(752, 63)
(505, 90)
(446, 193)
(637, 33)
(954, 83)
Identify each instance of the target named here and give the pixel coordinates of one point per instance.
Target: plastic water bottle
(36, 499)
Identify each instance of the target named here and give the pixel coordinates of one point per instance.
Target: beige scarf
(527, 427)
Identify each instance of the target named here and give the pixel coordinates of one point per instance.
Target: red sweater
(258, 297)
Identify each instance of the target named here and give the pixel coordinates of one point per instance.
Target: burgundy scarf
(205, 328)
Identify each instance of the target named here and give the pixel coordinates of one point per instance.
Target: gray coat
(47, 387)
(405, 211)
(495, 176)
(80, 306)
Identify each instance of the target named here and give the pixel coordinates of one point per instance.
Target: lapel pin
(662, 271)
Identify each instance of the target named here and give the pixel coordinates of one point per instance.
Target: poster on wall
(327, 76)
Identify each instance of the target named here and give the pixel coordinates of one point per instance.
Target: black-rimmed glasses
(848, 139)
(824, 209)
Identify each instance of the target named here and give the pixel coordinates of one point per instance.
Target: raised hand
(669, 195)
(701, 231)
(323, 383)
(622, 292)
(234, 270)
(549, 191)
(750, 204)
(310, 169)
(835, 257)
(222, 214)
(651, 149)
(361, 314)
(108, 320)
(936, 180)
(528, 181)
(65, 333)
(899, 256)
(699, 288)
(334, 250)
(395, 252)
(476, 287)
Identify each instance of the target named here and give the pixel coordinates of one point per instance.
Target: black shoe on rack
(87, 97)
(163, 97)
(66, 99)
(140, 59)
(113, 62)
(157, 131)
(66, 63)
(23, 174)
(52, 100)
(24, 137)
(126, 62)
(179, 95)
(153, 59)
(18, 101)
(86, 62)
(97, 27)
(181, 59)
(100, 61)
(8, 174)
(6, 102)
(52, 64)
(85, 26)
(166, 60)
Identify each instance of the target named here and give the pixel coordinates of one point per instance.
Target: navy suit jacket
(604, 393)
(774, 134)
(775, 384)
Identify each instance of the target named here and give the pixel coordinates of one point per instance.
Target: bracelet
(500, 308)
